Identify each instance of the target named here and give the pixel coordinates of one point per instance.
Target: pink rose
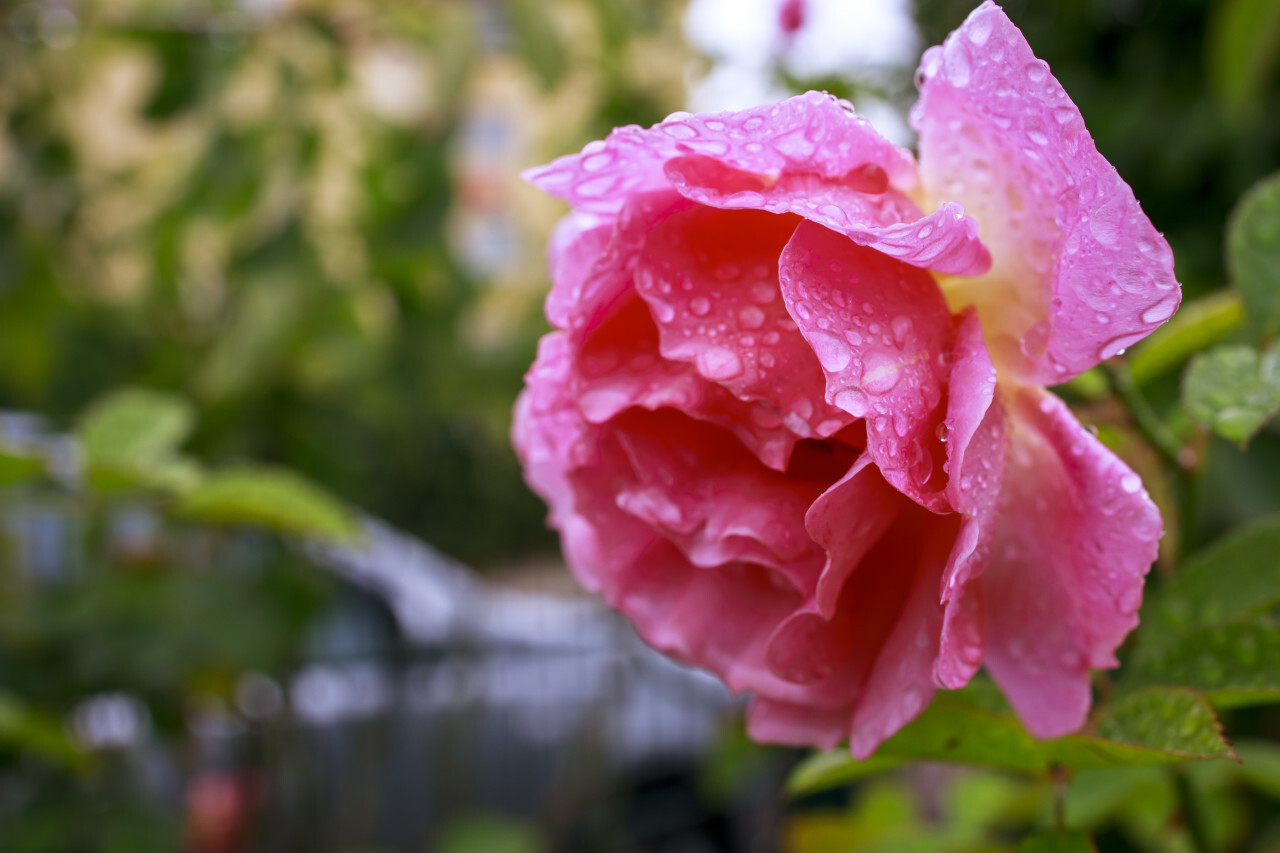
(795, 427)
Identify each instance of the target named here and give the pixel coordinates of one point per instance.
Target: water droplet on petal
(831, 351)
(852, 401)
(699, 306)
(881, 373)
(1131, 482)
(719, 364)
(751, 317)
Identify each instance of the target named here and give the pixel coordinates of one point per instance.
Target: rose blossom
(795, 427)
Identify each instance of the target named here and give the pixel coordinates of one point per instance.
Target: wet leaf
(1234, 390)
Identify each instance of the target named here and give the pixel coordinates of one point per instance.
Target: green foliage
(1234, 390)
(269, 497)
(1150, 727)
(131, 437)
(1058, 842)
(38, 734)
(1197, 326)
(1253, 254)
(1243, 43)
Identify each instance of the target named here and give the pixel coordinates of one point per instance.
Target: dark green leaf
(1069, 841)
(1243, 43)
(270, 497)
(1233, 664)
(1234, 390)
(1260, 765)
(1237, 576)
(1197, 326)
(1253, 253)
(39, 735)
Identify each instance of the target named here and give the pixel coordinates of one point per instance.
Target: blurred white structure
(750, 41)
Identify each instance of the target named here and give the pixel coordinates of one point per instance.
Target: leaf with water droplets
(1149, 727)
(1178, 722)
(1253, 254)
(1234, 390)
(1067, 841)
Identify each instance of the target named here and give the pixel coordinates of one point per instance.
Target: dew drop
(901, 326)
(831, 351)
(719, 364)
(852, 401)
(881, 373)
(751, 317)
(728, 271)
(942, 432)
(699, 306)
(1161, 311)
(1131, 482)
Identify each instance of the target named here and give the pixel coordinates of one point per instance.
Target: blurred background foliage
(299, 226)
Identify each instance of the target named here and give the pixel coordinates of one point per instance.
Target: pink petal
(977, 447)
(705, 493)
(902, 683)
(861, 205)
(577, 244)
(1076, 536)
(1079, 272)
(881, 332)
(812, 133)
(711, 280)
(811, 155)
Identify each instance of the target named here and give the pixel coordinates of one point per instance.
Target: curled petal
(813, 133)
(1079, 273)
(860, 205)
(710, 278)
(977, 447)
(881, 331)
(1076, 536)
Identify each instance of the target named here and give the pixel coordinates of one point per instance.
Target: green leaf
(270, 497)
(834, 769)
(1260, 765)
(37, 734)
(16, 467)
(1234, 390)
(1234, 664)
(1235, 577)
(1147, 727)
(1253, 254)
(1068, 841)
(1176, 721)
(131, 436)
(1197, 326)
(1243, 44)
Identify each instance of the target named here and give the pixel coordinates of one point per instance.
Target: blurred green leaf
(1069, 841)
(270, 497)
(834, 769)
(491, 833)
(36, 734)
(1253, 251)
(130, 437)
(1243, 45)
(1197, 326)
(1233, 664)
(132, 427)
(18, 467)
(1260, 765)
(1234, 390)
